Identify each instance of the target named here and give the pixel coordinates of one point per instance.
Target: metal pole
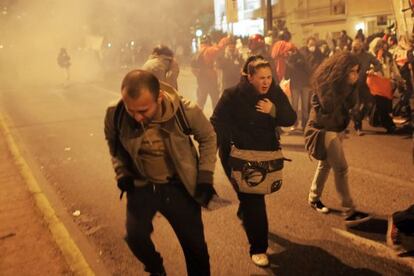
(269, 15)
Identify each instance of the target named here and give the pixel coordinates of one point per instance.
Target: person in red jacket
(280, 53)
(203, 67)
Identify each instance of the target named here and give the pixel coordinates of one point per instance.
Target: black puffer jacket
(236, 120)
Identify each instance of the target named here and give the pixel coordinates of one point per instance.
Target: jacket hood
(155, 62)
(169, 104)
(160, 57)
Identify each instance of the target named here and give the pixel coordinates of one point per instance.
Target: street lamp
(199, 33)
(360, 25)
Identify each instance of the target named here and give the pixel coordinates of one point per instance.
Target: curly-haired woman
(334, 96)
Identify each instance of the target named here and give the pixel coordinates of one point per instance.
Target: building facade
(240, 17)
(323, 19)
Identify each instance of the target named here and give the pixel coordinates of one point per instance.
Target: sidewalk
(26, 244)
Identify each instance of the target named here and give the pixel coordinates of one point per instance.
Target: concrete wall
(368, 7)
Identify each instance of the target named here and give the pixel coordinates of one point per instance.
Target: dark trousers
(303, 94)
(363, 104)
(183, 214)
(383, 109)
(252, 211)
(408, 92)
(358, 114)
(207, 86)
(404, 220)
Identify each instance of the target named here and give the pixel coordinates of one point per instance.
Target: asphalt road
(60, 129)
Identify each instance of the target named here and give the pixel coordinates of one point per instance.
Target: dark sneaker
(319, 206)
(393, 236)
(356, 217)
(391, 130)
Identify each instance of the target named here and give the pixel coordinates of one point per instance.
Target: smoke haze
(33, 31)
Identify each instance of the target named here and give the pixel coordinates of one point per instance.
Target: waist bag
(256, 172)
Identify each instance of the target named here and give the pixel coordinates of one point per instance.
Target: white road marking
(383, 177)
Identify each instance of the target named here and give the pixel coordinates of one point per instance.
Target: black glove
(125, 184)
(203, 193)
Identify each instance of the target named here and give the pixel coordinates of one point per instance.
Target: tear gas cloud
(93, 31)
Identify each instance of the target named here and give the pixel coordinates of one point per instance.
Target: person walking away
(313, 58)
(203, 67)
(334, 96)
(246, 116)
(230, 62)
(63, 61)
(298, 72)
(159, 169)
(163, 65)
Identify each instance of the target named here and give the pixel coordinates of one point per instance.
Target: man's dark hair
(163, 50)
(137, 80)
(206, 39)
(311, 38)
(284, 34)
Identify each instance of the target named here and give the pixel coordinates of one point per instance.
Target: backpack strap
(119, 113)
(182, 120)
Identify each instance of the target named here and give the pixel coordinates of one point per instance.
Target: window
(252, 4)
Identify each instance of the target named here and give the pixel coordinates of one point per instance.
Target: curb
(381, 249)
(61, 236)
